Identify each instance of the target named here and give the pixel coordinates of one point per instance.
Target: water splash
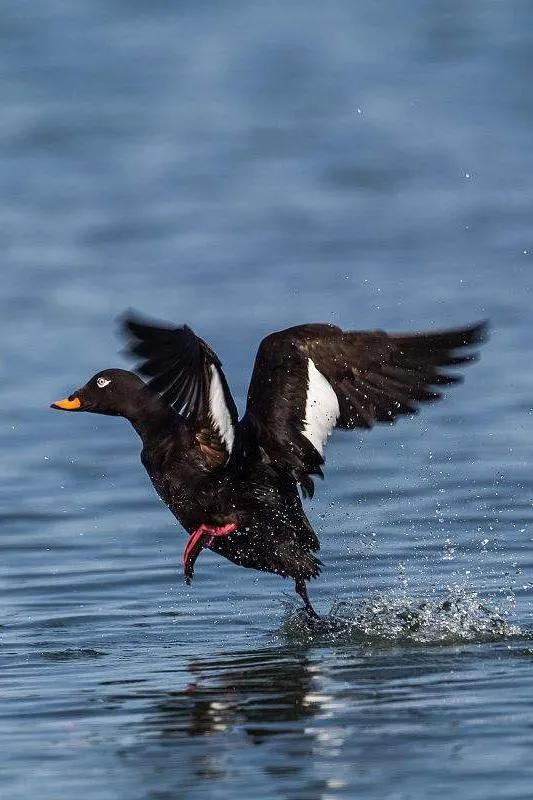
(459, 617)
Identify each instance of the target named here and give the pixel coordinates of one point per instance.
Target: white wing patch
(218, 410)
(321, 408)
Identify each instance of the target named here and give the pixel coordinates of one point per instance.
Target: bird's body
(272, 531)
(234, 484)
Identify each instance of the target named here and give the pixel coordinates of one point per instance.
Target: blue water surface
(244, 167)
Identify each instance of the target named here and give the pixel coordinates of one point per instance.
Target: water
(244, 167)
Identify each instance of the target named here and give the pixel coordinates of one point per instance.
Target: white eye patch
(101, 382)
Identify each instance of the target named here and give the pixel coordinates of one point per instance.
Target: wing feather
(374, 376)
(187, 374)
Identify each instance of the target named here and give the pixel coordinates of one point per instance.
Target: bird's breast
(193, 497)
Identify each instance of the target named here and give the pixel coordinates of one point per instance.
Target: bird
(237, 485)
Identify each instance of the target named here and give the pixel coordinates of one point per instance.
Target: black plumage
(233, 484)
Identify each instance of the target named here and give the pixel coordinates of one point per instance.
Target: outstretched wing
(310, 379)
(187, 375)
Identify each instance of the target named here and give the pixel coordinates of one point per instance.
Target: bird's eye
(101, 382)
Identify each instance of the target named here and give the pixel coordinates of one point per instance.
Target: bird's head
(115, 392)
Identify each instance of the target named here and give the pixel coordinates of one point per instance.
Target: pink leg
(197, 542)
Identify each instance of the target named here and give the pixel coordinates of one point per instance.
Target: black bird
(233, 484)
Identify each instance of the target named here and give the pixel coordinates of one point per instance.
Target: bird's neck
(154, 421)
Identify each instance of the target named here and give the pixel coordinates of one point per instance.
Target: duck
(236, 485)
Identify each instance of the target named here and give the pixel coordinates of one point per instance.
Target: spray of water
(461, 616)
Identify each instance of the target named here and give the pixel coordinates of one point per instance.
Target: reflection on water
(234, 704)
(308, 724)
(255, 692)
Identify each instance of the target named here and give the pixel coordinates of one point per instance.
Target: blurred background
(243, 167)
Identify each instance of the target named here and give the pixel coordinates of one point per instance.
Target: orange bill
(67, 405)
